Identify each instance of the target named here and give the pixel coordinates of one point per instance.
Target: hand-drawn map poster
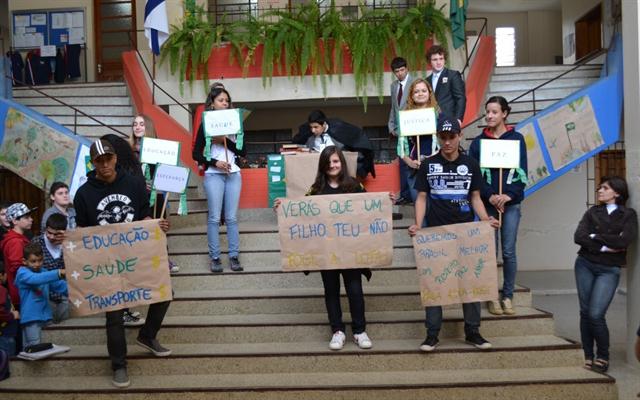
(536, 165)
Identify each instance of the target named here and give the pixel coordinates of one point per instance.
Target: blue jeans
(508, 236)
(471, 312)
(32, 333)
(221, 187)
(596, 285)
(406, 187)
(8, 344)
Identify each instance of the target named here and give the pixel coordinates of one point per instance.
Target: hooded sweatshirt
(100, 203)
(34, 290)
(511, 185)
(12, 246)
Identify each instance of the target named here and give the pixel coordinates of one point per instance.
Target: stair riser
(116, 90)
(76, 101)
(564, 391)
(555, 69)
(82, 120)
(90, 110)
(94, 132)
(330, 362)
(302, 333)
(525, 85)
(545, 76)
(541, 94)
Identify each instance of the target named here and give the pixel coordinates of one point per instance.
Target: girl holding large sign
(420, 96)
(502, 193)
(603, 234)
(222, 182)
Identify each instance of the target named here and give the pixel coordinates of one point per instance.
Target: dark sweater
(616, 231)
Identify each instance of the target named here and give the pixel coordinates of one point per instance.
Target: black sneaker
(235, 264)
(132, 319)
(215, 265)
(430, 343)
(153, 346)
(120, 378)
(478, 341)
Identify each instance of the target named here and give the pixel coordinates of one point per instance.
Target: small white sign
(222, 122)
(47, 51)
(417, 122)
(499, 153)
(159, 151)
(171, 178)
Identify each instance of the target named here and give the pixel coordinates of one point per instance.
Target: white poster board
(171, 178)
(159, 151)
(222, 122)
(417, 122)
(499, 153)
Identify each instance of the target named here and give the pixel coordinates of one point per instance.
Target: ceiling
(497, 6)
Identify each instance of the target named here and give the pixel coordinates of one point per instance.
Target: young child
(50, 240)
(61, 204)
(34, 286)
(8, 319)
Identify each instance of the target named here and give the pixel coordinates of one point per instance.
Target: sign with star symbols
(116, 266)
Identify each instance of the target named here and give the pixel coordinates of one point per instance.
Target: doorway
(589, 33)
(115, 30)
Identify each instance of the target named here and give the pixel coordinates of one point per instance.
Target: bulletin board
(35, 28)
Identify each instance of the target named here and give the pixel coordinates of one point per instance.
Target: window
(505, 47)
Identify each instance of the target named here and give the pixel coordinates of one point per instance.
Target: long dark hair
(127, 159)
(346, 183)
(619, 185)
(213, 93)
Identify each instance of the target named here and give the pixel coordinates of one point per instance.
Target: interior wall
(15, 5)
(517, 20)
(573, 10)
(545, 36)
(5, 37)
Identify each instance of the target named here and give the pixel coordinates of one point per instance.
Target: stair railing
(476, 43)
(76, 111)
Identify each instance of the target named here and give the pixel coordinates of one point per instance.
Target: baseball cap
(100, 147)
(17, 210)
(447, 124)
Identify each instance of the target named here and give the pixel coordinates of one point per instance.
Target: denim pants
(60, 310)
(353, 286)
(221, 187)
(116, 340)
(8, 344)
(471, 312)
(32, 333)
(508, 235)
(406, 188)
(596, 285)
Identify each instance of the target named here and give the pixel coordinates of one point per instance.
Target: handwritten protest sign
(116, 266)
(456, 263)
(159, 151)
(170, 178)
(222, 122)
(300, 170)
(336, 232)
(499, 153)
(417, 122)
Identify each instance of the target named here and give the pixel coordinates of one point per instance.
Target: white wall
(572, 10)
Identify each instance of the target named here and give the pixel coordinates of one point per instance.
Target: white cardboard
(222, 122)
(159, 151)
(418, 122)
(171, 178)
(499, 153)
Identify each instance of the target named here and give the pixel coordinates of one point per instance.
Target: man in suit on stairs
(447, 84)
(399, 95)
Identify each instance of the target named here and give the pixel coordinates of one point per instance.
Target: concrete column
(631, 51)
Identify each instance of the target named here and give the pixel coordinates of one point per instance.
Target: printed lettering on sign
(417, 122)
(222, 122)
(159, 151)
(499, 153)
(170, 178)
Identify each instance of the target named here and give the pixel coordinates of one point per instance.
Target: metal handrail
(475, 45)
(582, 63)
(153, 80)
(76, 110)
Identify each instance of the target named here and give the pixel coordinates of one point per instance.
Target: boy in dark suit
(447, 84)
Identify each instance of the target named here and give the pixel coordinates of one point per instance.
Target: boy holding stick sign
(497, 148)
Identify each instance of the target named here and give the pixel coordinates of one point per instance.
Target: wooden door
(115, 31)
(589, 33)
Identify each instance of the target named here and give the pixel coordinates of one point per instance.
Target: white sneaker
(337, 341)
(362, 340)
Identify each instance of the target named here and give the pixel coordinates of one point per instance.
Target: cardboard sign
(499, 153)
(301, 169)
(417, 122)
(336, 232)
(116, 266)
(222, 122)
(171, 178)
(456, 263)
(159, 151)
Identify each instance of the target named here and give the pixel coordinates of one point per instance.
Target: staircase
(263, 334)
(108, 103)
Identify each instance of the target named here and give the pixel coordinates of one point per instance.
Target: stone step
(582, 72)
(252, 358)
(519, 106)
(261, 328)
(89, 110)
(300, 301)
(567, 383)
(74, 90)
(530, 69)
(105, 119)
(527, 84)
(541, 94)
(96, 131)
(38, 99)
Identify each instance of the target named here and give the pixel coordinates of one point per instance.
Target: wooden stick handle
(226, 155)
(164, 205)
(500, 192)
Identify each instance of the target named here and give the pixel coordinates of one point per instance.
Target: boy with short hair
(61, 204)
(50, 240)
(13, 243)
(8, 319)
(34, 285)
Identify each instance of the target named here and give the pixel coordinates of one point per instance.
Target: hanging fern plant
(244, 37)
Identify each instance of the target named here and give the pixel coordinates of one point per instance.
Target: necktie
(399, 93)
(435, 81)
